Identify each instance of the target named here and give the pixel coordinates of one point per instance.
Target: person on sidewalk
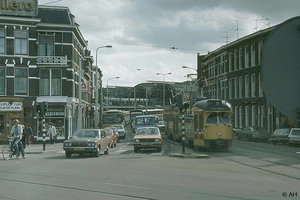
(51, 133)
(16, 132)
(28, 134)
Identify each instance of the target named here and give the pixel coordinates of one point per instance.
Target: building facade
(45, 58)
(233, 73)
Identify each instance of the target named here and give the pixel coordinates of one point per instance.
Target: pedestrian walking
(51, 133)
(28, 134)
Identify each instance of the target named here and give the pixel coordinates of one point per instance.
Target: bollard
(44, 141)
(183, 134)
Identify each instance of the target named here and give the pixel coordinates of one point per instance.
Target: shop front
(10, 109)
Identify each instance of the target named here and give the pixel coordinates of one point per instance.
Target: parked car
(121, 130)
(280, 136)
(87, 141)
(294, 137)
(235, 131)
(147, 137)
(116, 132)
(252, 133)
(161, 125)
(112, 136)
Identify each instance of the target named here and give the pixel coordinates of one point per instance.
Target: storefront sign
(19, 7)
(15, 106)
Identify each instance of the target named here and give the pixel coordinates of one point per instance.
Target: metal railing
(50, 60)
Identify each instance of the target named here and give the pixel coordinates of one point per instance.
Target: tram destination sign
(19, 7)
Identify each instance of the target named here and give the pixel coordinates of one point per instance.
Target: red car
(112, 136)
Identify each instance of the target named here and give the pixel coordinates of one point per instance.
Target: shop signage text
(17, 7)
(15, 106)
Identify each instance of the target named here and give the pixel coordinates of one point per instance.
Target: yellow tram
(212, 121)
(208, 125)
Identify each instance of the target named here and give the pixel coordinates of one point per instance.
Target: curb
(188, 155)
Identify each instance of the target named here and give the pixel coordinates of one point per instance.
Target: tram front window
(218, 118)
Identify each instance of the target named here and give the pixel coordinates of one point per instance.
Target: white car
(294, 137)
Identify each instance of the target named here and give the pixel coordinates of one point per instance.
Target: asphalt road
(249, 170)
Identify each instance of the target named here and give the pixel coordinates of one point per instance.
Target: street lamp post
(163, 86)
(107, 91)
(97, 88)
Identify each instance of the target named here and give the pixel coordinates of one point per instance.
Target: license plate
(147, 143)
(78, 149)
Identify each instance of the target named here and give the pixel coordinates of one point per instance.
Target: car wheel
(290, 144)
(274, 143)
(115, 144)
(112, 145)
(159, 149)
(68, 154)
(239, 138)
(249, 138)
(106, 151)
(97, 153)
(136, 149)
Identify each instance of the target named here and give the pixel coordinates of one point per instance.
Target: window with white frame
(236, 57)
(246, 49)
(2, 80)
(46, 45)
(253, 116)
(2, 41)
(230, 95)
(260, 44)
(241, 87)
(253, 85)
(21, 81)
(50, 82)
(21, 42)
(241, 116)
(246, 115)
(236, 86)
(246, 86)
(240, 58)
(252, 55)
(236, 117)
(260, 91)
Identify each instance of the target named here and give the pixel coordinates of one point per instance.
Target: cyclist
(16, 132)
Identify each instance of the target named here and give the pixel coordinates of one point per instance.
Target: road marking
(119, 151)
(158, 153)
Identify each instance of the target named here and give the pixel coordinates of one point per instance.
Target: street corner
(188, 155)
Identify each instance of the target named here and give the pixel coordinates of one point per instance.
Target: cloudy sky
(160, 36)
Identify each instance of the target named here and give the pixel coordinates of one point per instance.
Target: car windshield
(257, 128)
(118, 127)
(295, 132)
(108, 131)
(281, 131)
(147, 131)
(85, 134)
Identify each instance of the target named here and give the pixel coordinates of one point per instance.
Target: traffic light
(45, 104)
(38, 109)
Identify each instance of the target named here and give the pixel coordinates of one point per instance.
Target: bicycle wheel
(6, 152)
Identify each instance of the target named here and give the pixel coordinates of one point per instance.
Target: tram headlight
(137, 140)
(67, 144)
(219, 134)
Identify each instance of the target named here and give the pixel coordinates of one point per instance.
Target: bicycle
(10, 149)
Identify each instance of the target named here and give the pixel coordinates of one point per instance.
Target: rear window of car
(295, 132)
(281, 131)
(86, 133)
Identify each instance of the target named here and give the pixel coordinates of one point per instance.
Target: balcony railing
(50, 60)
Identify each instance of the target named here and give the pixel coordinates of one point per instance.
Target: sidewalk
(38, 148)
